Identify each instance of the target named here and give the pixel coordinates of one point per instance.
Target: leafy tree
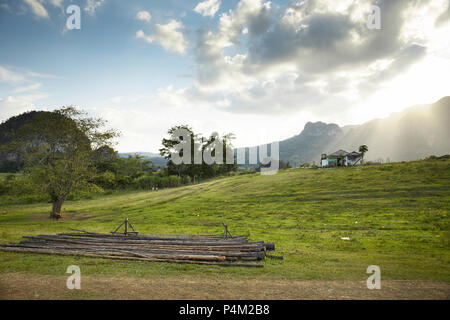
(60, 153)
(169, 149)
(198, 146)
(363, 149)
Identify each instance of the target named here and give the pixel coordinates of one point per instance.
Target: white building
(341, 158)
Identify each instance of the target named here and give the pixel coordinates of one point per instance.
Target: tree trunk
(56, 210)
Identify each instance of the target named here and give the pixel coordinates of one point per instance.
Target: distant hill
(412, 134)
(154, 157)
(11, 161)
(310, 143)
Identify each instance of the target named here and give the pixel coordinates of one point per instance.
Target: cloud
(7, 75)
(208, 7)
(12, 75)
(57, 3)
(401, 63)
(23, 83)
(144, 16)
(14, 105)
(92, 6)
(444, 18)
(168, 35)
(37, 8)
(27, 88)
(304, 55)
(5, 6)
(214, 68)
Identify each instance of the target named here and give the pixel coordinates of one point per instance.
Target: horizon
(259, 69)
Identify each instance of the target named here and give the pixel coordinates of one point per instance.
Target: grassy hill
(395, 215)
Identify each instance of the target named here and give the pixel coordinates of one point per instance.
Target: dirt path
(24, 286)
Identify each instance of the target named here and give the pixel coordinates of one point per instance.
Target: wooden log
(76, 253)
(120, 237)
(147, 252)
(144, 236)
(190, 243)
(274, 257)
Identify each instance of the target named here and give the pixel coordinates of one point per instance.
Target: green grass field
(396, 216)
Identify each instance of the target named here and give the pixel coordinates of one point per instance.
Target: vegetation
(58, 150)
(363, 150)
(197, 167)
(395, 216)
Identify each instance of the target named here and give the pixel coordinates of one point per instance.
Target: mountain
(414, 133)
(309, 143)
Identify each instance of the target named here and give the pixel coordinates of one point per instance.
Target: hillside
(395, 216)
(11, 160)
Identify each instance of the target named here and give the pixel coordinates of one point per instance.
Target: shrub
(106, 180)
(146, 182)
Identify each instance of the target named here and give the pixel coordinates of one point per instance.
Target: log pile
(223, 250)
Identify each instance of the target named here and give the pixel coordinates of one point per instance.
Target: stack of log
(189, 249)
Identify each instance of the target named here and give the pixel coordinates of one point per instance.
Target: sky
(259, 69)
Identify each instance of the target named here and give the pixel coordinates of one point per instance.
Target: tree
(60, 151)
(169, 149)
(363, 149)
(198, 146)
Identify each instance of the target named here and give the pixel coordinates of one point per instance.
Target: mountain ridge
(413, 133)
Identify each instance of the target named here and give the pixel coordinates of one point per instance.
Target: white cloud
(5, 6)
(140, 34)
(56, 3)
(208, 7)
(144, 16)
(317, 56)
(168, 35)
(15, 75)
(27, 88)
(37, 8)
(116, 100)
(7, 75)
(24, 88)
(93, 5)
(15, 105)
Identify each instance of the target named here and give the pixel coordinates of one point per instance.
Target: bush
(18, 186)
(146, 182)
(124, 182)
(174, 181)
(106, 180)
(186, 180)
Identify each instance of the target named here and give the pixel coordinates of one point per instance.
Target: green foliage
(198, 145)
(151, 182)
(363, 150)
(106, 180)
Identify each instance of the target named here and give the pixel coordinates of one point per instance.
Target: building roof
(338, 154)
(354, 154)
